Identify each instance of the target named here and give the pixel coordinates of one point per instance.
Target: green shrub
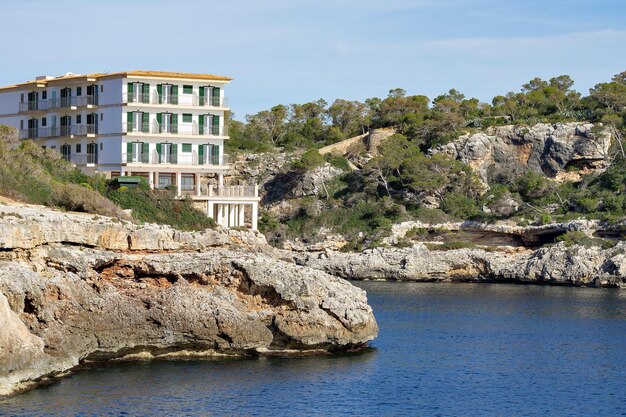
(310, 160)
(75, 197)
(577, 237)
(161, 207)
(459, 206)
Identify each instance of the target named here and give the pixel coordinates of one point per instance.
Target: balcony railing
(58, 103)
(176, 99)
(58, 131)
(174, 129)
(84, 159)
(180, 159)
(231, 191)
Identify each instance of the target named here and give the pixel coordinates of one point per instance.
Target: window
(101, 116)
(44, 95)
(187, 181)
(100, 146)
(21, 98)
(186, 117)
(102, 88)
(187, 89)
(78, 148)
(186, 147)
(21, 124)
(79, 91)
(53, 147)
(44, 122)
(78, 119)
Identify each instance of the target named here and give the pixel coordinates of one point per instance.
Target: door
(66, 151)
(53, 100)
(66, 96)
(33, 125)
(66, 123)
(92, 153)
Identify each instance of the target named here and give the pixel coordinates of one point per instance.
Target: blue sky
(282, 51)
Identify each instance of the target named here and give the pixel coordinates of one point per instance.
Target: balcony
(58, 131)
(185, 129)
(231, 191)
(154, 158)
(82, 159)
(58, 103)
(189, 100)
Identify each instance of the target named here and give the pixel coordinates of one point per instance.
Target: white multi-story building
(165, 126)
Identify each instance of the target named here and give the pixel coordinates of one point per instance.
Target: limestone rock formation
(504, 152)
(558, 264)
(75, 288)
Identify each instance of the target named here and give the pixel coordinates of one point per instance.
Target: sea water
(443, 350)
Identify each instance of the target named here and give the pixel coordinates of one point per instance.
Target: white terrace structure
(167, 127)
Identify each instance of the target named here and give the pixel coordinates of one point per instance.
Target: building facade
(167, 127)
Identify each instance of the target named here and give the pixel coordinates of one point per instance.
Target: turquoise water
(443, 350)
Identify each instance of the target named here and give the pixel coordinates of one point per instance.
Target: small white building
(167, 127)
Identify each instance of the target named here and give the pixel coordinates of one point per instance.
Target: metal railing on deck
(232, 191)
(175, 99)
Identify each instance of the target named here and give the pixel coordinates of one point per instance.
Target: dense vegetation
(406, 178)
(35, 175)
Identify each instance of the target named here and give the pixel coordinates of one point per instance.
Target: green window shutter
(216, 154)
(130, 88)
(216, 96)
(146, 93)
(160, 88)
(174, 123)
(159, 118)
(201, 154)
(129, 152)
(158, 146)
(145, 120)
(201, 124)
(216, 125)
(186, 147)
(201, 93)
(129, 120)
(174, 156)
(145, 151)
(174, 89)
(187, 117)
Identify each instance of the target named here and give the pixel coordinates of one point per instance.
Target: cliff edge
(76, 288)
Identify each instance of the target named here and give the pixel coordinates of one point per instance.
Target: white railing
(192, 158)
(56, 103)
(232, 191)
(174, 129)
(175, 100)
(84, 159)
(58, 131)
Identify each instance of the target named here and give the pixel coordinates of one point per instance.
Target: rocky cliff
(557, 265)
(501, 153)
(78, 288)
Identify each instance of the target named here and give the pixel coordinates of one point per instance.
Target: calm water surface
(443, 349)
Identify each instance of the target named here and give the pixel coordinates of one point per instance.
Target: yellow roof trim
(134, 73)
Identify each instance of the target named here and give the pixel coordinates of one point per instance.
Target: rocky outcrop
(558, 264)
(503, 233)
(501, 153)
(75, 288)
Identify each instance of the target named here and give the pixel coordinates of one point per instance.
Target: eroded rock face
(82, 292)
(501, 153)
(558, 264)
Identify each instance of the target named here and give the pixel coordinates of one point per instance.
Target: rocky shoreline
(78, 288)
(555, 265)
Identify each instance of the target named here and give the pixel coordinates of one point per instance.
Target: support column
(122, 171)
(231, 215)
(218, 220)
(210, 209)
(220, 179)
(255, 215)
(179, 184)
(151, 179)
(198, 190)
(242, 212)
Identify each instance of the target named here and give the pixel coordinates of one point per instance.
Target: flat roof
(126, 74)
